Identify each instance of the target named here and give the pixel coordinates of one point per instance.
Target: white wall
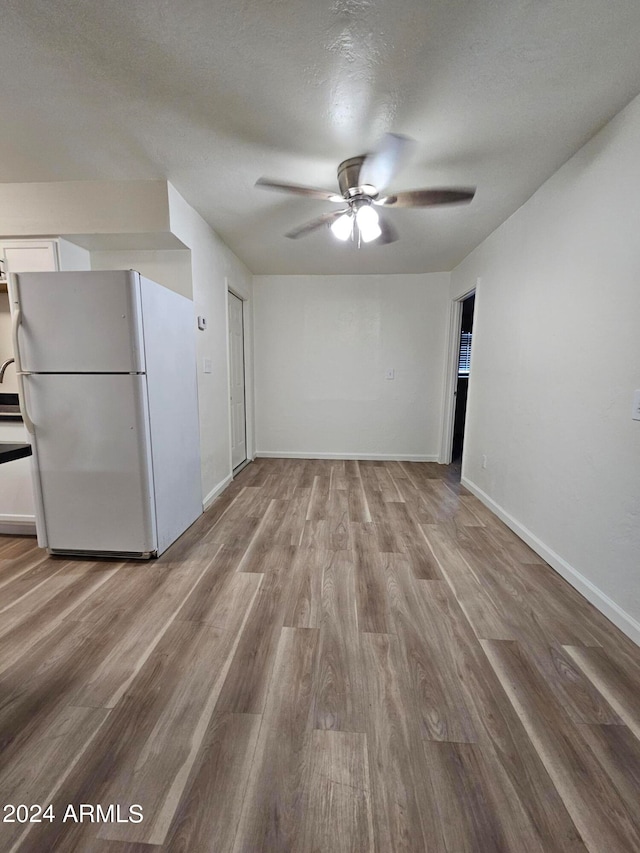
(72, 257)
(83, 207)
(214, 268)
(170, 267)
(322, 346)
(555, 359)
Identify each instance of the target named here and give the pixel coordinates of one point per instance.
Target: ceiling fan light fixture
(363, 182)
(368, 223)
(343, 227)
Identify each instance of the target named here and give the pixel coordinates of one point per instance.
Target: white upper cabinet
(30, 255)
(46, 255)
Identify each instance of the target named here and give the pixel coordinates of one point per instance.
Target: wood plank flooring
(338, 656)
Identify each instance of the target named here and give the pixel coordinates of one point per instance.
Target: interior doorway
(462, 382)
(237, 382)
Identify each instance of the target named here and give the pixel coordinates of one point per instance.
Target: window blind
(464, 358)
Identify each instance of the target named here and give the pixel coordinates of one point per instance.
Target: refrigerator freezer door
(94, 470)
(79, 322)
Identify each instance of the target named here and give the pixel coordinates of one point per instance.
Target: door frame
(248, 437)
(451, 376)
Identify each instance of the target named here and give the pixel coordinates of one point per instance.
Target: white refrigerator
(107, 370)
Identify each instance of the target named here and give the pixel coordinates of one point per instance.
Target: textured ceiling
(211, 95)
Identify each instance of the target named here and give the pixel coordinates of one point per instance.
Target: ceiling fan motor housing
(349, 176)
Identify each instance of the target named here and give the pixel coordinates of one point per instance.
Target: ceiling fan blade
(298, 189)
(427, 198)
(318, 222)
(389, 233)
(381, 166)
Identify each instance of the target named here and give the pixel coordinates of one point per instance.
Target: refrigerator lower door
(94, 477)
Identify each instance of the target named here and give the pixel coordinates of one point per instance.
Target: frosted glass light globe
(368, 224)
(342, 227)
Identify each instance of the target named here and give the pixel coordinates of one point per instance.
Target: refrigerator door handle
(16, 320)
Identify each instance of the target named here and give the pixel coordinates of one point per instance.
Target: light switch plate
(635, 414)
(390, 373)
(206, 365)
(202, 323)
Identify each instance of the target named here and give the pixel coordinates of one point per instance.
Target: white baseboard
(217, 490)
(241, 467)
(599, 599)
(18, 525)
(382, 457)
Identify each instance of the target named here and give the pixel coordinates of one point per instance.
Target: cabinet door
(30, 256)
(17, 513)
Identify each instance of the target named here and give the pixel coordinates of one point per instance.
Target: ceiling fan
(363, 185)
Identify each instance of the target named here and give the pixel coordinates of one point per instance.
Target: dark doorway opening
(462, 386)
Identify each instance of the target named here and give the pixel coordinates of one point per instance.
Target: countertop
(10, 450)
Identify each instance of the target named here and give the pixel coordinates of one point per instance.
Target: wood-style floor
(338, 656)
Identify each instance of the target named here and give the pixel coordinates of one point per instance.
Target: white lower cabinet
(17, 512)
